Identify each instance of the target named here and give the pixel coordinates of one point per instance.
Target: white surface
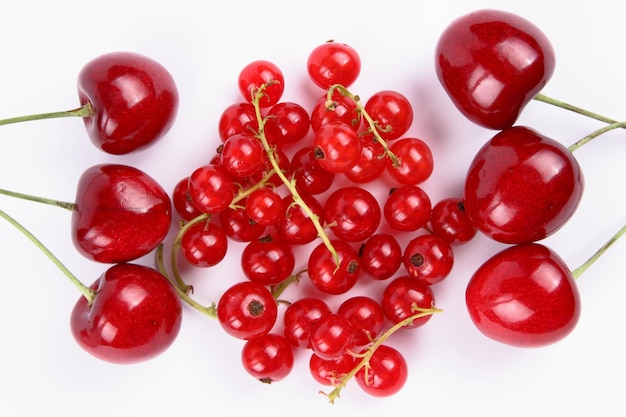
(454, 371)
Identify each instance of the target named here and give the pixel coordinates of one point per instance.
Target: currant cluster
(298, 188)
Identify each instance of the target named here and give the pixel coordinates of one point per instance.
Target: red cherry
(333, 63)
(522, 186)
(121, 213)
(134, 100)
(136, 315)
(524, 296)
(492, 63)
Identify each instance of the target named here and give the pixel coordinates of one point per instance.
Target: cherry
(386, 373)
(120, 213)
(333, 63)
(269, 358)
(524, 296)
(522, 186)
(135, 315)
(134, 100)
(247, 310)
(492, 63)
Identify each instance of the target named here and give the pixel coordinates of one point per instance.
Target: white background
(454, 371)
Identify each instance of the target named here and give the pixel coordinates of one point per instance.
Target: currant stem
(558, 103)
(178, 280)
(374, 127)
(63, 204)
(365, 358)
(297, 199)
(85, 290)
(84, 111)
(207, 311)
(595, 134)
(576, 273)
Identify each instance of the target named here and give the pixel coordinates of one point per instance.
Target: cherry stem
(558, 103)
(63, 204)
(365, 357)
(207, 311)
(85, 290)
(84, 111)
(595, 134)
(374, 127)
(576, 273)
(290, 184)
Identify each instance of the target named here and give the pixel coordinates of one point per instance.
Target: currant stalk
(374, 127)
(84, 111)
(367, 355)
(289, 183)
(87, 292)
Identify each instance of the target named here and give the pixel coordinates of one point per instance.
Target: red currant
(407, 208)
(416, 161)
(450, 221)
(268, 358)
(332, 336)
(265, 206)
(323, 270)
(211, 189)
(267, 261)
(381, 256)
(238, 118)
(286, 123)
(392, 111)
(366, 316)
(181, 200)
(204, 244)
(353, 213)
(428, 258)
(333, 63)
(386, 373)
(258, 73)
(337, 147)
(329, 372)
(401, 295)
(242, 155)
(247, 310)
(300, 316)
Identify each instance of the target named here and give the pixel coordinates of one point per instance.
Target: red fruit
(267, 261)
(247, 310)
(204, 244)
(333, 63)
(366, 316)
(450, 221)
(238, 118)
(181, 200)
(135, 316)
(524, 296)
(492, 63)
(402, 295)
(386, 374)
(211, 189)
(309, 176)
(407, 208)
(522, 186)
(134, 100)
(242, 156)
(381, 256)
(300, 316)
(332, 336)
(257, 73)
(392, 111)
(337, 147)
(416, 161)
(324, 273)
(353, 213)
(121, 213)
(268, 358)
(330, 372)
(428, 258)
(286, 123)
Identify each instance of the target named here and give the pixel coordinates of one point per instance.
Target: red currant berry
(300, 316)
(522, 186)
(309, 176)
(258, 73)
(386, 373)
(344, 111)
(353, 213)
(371, 164)
(332, 336)
(211, 189)
(238, 118)
(265, 206)
(204, 244)
(416, 161)
(242, 155)
(296, 227)
(330, 372)
(286, 123)
(450, 221)
(239, 226)
(407, 208)
(333, 63)
(337, 147)
(267, 261)
(392, 111)
(324, 273)
(247, 310)
(428, 258)
(524, 296)
(268, 358)
(401, 295)
(283, 164)
(181, 200)
(381, 256)
(366, 316)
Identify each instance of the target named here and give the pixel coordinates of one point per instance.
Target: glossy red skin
(204, 244)
(416, 161)
(392, 111)
(428, 258)
(387, 373)
(366, 316)
(492, 63)
(522, 186)
(353, 213)
(136, 315)
(181, 200)
(298, 318)
(211, 189)
(267, 261)
(524, 296)
(329, 372)
(333, 63)
(286, 123)
(450, 221)
(247, 310)
(258, 73)
(332, 336)
(134, 99)
(310, 177)
(407, 208)
(268, 358)
(238, 118)
(324, 273)
(401, 295)
(121, 213)
(380, 256)
(337, 147)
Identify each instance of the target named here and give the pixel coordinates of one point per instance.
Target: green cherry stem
(374, 127)
(595, 134)
(84, 111)
(85, 290)
(290, 184)
(576, 273)
(558, 103)
(63, 204)
(369, 352)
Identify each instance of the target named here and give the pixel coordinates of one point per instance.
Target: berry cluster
(299, 189)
